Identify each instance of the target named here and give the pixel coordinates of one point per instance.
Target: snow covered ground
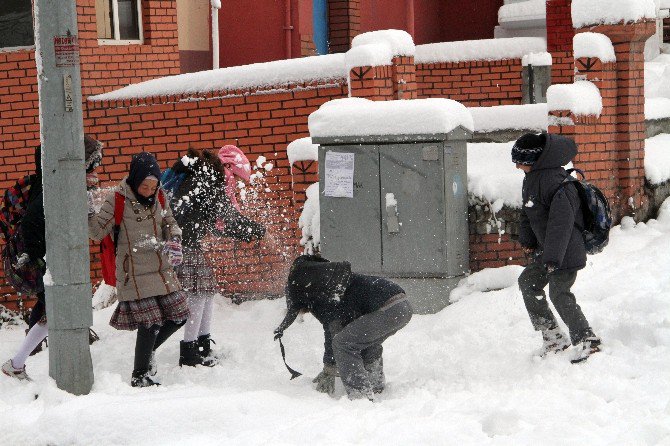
(464, 376)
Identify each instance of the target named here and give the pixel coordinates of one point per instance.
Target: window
(16, 23)
(119, 20)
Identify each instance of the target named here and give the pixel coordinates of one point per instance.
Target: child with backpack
(23, 228)
(552, 220)
(148, 246)
(202, 189)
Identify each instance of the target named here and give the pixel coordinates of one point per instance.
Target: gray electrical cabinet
(407, 218)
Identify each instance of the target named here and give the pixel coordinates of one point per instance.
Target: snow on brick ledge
(657, 159)
(487, 49)
(522, 11)
(371, 55)
(593, 45)
(510, 117)
(610, 12)
(267, 74)
(399, 42)
(657, 108)
(302, 150)
(362, 117)
(536, 59)
(581, 98)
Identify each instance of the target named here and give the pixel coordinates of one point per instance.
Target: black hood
(311, 278)
(142, 166)
(558, 151)
(38, 161)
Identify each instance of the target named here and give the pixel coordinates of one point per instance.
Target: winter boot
(205, 350)
(585, 348)
(9, 370)
(141, 378)
(189, 354)
(376, 376)
(554, 341)
(359, 394)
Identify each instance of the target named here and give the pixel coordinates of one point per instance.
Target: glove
(550, 267)
(325, 381)
(22, 260)
(174, 252)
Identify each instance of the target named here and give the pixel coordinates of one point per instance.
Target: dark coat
(364, 295)
(201, 200)
(551, 216)
(33, 225)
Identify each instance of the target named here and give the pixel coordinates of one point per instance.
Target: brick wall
(344, 23)
(559, 40)
(103, 68)
(473, 83)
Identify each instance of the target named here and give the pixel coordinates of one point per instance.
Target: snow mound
(302, 150)
(398, 42)
(503, 117)
(657, 108)
(581, 98)
(362, 117)
(593, 45)
(486, 49)
(104, 296)
(657, 159)
(536, 59)
(268, 74)
(522, 11)
(310, 221)
(610, 12)
(372, 55)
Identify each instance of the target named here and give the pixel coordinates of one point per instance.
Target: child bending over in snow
(148, 247)
(204, 203)
(358, 314)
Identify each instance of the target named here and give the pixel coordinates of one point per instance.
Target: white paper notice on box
(339, 175)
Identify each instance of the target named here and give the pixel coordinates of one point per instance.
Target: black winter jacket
(201, 200)
(364, 295)
(33, 225)
(551, 217)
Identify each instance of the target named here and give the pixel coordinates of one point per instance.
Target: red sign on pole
(66, 49)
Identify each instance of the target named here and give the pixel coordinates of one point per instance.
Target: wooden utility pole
(68, 283)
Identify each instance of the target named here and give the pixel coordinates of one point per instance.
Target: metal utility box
(406, 216)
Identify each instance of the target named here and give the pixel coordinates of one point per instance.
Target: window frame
(116, 31)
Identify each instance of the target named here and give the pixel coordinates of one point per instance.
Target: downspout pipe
(216, 5)
(288, 28)
(409, 17)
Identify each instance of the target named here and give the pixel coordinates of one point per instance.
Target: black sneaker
(141, 378)
(586, 348)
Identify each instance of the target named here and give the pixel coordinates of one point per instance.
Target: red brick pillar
(344, 23)
(628, 41)
(559, 40)
(303, 175)
(404, 78)
(386, 82)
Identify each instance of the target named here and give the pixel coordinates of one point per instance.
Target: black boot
(205, 345)
(141, 378)
(190, 355)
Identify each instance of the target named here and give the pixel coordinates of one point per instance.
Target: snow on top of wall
(536, 59)
(657, 77)
(372, 54)
(504, 117)
(267, 74)
(665, 4)
(596, 12)
(593, 45)
(657, 159)
(529, 10)
(657, 108)
(487, 49)
(362, 117)
(309, 221)
(302, 150)
(581, 98)
(492, 175)
(399, 42)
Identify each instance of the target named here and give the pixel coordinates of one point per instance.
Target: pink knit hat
(235, 162)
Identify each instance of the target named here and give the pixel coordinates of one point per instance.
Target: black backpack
(596, 210)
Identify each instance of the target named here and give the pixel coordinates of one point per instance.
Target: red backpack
(109, 244)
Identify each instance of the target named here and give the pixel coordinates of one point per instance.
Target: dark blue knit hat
(528, 148)
(142, 166)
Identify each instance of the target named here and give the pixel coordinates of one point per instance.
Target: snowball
(593, 45)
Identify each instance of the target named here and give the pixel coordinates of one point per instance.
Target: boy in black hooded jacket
(357, 312)
(550, 235)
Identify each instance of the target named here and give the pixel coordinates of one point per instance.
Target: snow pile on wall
(521, 11)
(593, 45)
(487, 49)
(493, 176)
(657, 77)
(362, 117)
(536, 59)
(378, 48)
(510, 117)
(310, 221)
(609, 12)
(657, 159)
(656, 108)
(581, 98)
(268, 74)
(302, 150)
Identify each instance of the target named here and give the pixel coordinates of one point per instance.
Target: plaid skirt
(196, 274)
(150, 311)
